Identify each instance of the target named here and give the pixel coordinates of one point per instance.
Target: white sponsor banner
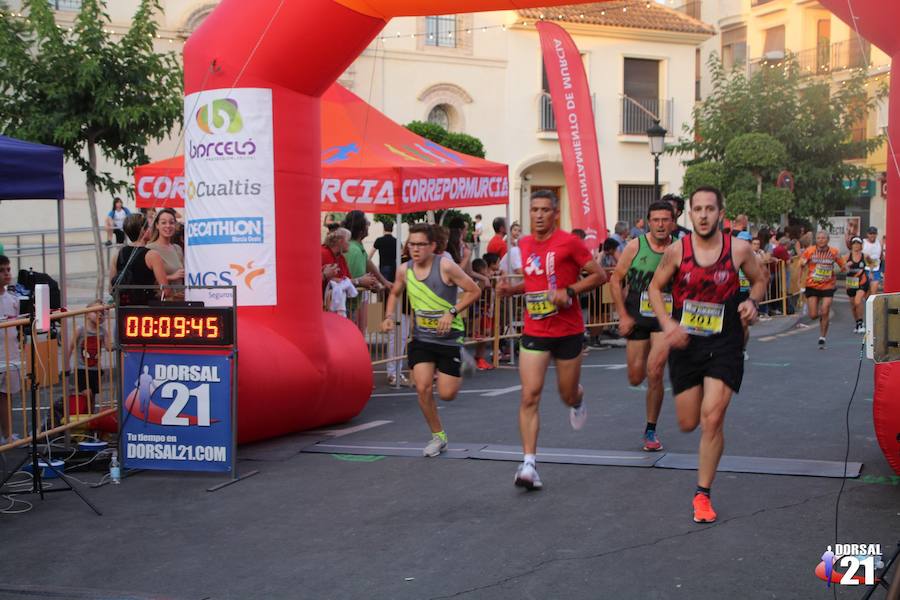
(230, 195)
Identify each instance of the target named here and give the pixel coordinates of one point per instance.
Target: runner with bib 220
(704, 331)
(554, 328)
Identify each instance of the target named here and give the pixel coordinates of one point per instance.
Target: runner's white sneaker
(821, 343)
(434, 447)
(527, 477)
(578, 416)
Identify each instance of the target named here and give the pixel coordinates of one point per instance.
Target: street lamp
(657, 136)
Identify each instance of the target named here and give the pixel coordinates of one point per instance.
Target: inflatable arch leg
(878, 22)
(298, 368)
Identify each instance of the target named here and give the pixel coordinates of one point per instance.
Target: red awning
(369, 163)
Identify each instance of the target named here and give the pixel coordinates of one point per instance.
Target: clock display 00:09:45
(172, 326)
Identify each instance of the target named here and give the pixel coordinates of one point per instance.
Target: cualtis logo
(220, 116)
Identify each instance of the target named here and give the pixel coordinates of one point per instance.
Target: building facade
(751, 33)
(482, 74)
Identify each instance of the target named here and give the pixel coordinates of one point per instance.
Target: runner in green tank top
(645, 350)
(432, 284)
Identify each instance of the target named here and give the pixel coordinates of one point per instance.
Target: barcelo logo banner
(230, 206)
(574, 114)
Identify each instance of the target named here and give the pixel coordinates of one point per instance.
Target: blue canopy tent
(30, 171)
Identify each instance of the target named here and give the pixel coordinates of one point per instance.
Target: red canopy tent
(369, 163)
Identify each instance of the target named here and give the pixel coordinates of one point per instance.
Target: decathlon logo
(234, 275)
(236, 230)
(220, 116)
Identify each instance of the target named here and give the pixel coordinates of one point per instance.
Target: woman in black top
(136, 264)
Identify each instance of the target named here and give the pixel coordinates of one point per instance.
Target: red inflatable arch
(299, 368)
(879, 21)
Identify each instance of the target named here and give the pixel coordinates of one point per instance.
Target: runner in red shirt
(552, 261)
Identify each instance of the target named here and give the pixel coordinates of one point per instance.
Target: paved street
(321, 526)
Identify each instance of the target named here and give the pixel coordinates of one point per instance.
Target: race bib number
(702, 318)
(427, 320)
(823, 273)
(647, 310)
(539, 305)
(853, 283)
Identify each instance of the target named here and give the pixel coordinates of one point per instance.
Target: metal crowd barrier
(71, 393)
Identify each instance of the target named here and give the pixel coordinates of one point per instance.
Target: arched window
(440, 115)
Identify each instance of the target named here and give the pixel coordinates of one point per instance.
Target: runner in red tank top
(705, 332)
(552, 261)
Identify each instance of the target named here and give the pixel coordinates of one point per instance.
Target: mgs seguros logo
(220, 116)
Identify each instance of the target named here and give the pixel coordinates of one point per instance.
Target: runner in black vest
(704, 332)
(857, 282)
(645, 351)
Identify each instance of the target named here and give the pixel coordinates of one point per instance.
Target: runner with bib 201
(554, 328)
(432, 285)
(645, 350)
(704, 331)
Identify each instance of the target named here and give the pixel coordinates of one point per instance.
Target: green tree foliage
(810, 119)
(84, 91)
(703, 174)
(460, 142)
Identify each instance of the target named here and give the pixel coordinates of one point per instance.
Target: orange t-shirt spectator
(821, 266)
(497, 245)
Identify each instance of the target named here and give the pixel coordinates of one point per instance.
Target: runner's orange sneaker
(703, 510)
(483, 365)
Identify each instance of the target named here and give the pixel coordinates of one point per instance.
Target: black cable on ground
(837, 503)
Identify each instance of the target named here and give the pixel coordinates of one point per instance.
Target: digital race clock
(176, 325)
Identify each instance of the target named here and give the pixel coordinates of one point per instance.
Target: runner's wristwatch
(570, 292)
(453, 311)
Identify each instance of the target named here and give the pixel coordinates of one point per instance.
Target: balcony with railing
(546, 118)
(825, 58)
(635, 114)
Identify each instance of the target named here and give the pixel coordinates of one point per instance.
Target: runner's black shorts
(721, 359)
(643, 326)
(814, 293)
(446, 358)
(560, 348)
(852, 291)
